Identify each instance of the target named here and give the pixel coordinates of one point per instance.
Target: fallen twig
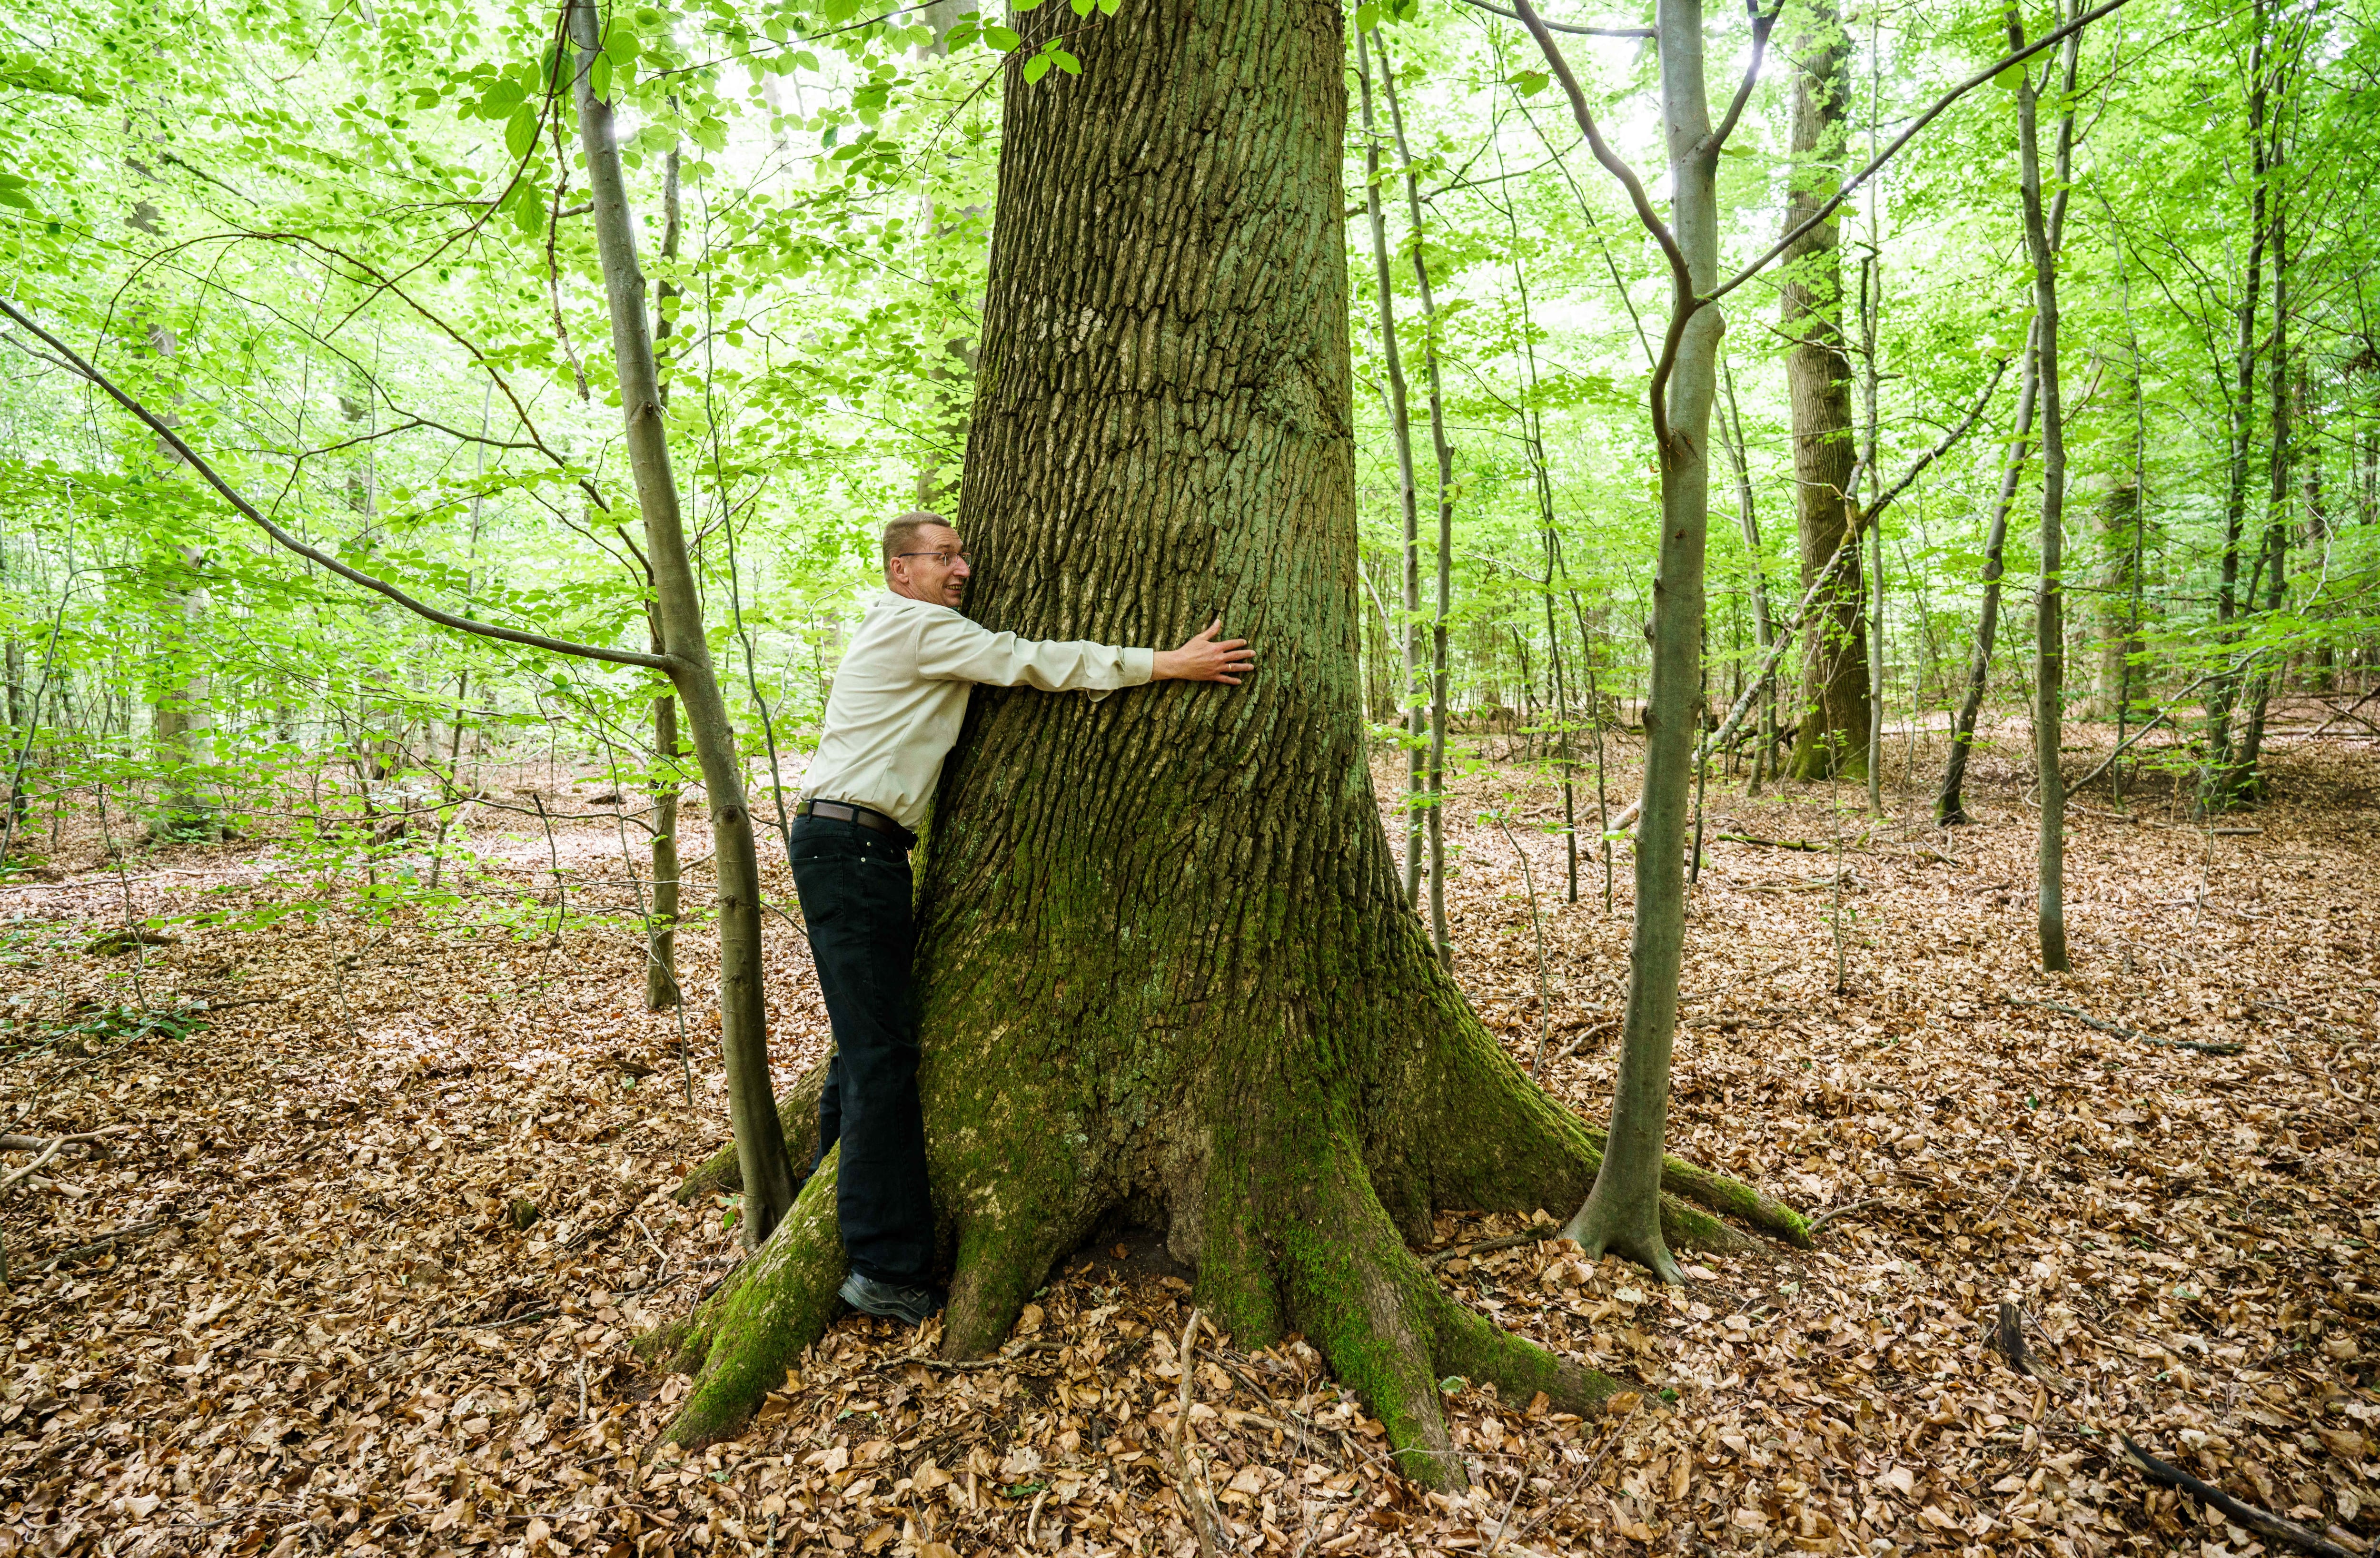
(1823, 1218)
(1536, 1235)
(1774, 843)
(1193, 1486)
(2122, 1032)
(2272, 1527)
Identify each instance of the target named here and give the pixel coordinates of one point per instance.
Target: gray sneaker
(910, 1306)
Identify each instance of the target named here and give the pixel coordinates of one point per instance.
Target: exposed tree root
(745, 1337)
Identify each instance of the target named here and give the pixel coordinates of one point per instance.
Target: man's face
(931, 568)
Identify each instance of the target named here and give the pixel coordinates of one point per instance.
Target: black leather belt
(843, 811)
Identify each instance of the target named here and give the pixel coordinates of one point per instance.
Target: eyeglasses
(944, 557)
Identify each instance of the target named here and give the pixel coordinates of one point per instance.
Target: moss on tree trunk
(1165, 959)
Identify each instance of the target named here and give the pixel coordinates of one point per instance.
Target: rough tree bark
(743, 1038)
(1832, 735)
(1166, 970)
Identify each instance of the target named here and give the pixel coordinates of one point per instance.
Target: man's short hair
(900, 535)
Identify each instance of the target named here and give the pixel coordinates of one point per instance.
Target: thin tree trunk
(1445, 452)
(1764, 630)
(2049, 646)
(759, 1140)
(2247, 783)
(1620, 1213)
(2215, 789)
(1401, 431)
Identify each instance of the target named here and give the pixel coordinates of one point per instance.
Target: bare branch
(1681, 277)
(1905, 136)
(173, 441)
(1760, 29)
(1567, 26)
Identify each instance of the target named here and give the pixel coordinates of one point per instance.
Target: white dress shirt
(901, 693)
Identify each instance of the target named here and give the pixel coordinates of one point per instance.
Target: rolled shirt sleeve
(951, 648)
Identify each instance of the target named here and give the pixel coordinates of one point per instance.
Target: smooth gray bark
(759, 1140)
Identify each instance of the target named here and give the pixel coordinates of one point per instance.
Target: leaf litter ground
(359, 1267)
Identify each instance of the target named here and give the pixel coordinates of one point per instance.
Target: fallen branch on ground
(1774, 843)
(51, 1148)
(2122, 1032)
(1536, 1235)
(2270, 1526)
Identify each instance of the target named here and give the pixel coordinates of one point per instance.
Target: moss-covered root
(739, 1344)
(797, 1116)
(1733, 1198)
(1469, 1344)
(1001, 1259)
(1360, 1295)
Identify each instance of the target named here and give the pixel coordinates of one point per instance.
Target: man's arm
(951, 647)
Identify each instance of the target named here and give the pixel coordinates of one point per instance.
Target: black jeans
(854, 889)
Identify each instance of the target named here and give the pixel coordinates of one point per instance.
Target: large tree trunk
(743, 1037)
(1832, 738)
(1166, 969)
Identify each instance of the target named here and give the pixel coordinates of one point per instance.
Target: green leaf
(1367, 16)
(1035, 68)
(520, 132)
(806, 60)
(529, 212)
(598, 77)
(2010, 80)
(1082, 7)
(999, 38)
(12, 192)
(500, 99)
(1528, 83)
(1067, 62)
(425, 97)
(1109, 8)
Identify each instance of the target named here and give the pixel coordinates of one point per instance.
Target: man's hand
(1204, 659)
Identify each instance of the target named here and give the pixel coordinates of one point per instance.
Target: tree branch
(1567, 26)
(2016, 57)
(172, 440)
(1760, 29)
(1680, 276)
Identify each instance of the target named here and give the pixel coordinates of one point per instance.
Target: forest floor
(291, 1309)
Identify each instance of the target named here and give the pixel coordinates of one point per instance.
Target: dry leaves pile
(359, 1266)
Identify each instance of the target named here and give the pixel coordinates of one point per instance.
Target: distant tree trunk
(1445, 451)
(2049, 629)
(760, 1139)
(1833, 719)
(2247, 783)
(1730, 438)
(1400, 432)
(2320, 659)
(2119, 541)
(1211, 1005)
(661, 990)
(2222, 759)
